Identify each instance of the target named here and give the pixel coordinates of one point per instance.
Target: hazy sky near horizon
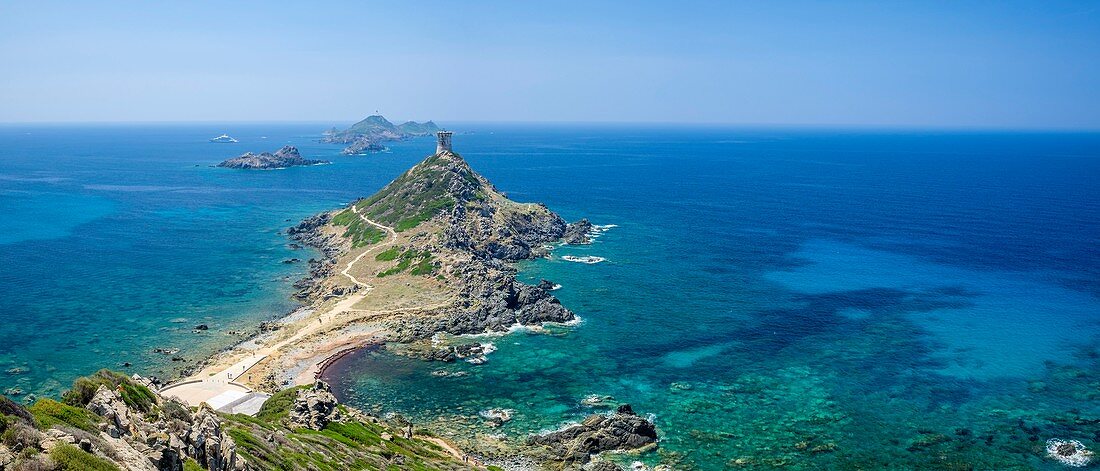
(1033, 64)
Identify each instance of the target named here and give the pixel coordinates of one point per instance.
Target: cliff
(288, 156)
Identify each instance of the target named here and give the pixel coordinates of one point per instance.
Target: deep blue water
(890, 298)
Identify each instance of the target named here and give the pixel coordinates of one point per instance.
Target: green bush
(276, 407)
(69, 457)
(48, 412)
(134, 395)
(191, 465)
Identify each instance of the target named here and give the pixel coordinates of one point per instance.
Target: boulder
(314, 408)
(109, 404)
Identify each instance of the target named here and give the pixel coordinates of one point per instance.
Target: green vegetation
(134, 395)
(388, 255)
(277, 406)
(344, 218)
(361, 232)
(48, 413)
(337, 447)
(420, 261)
(437, 184)
(69, 457)
(264, 441)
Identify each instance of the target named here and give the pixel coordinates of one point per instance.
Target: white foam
(587, 259)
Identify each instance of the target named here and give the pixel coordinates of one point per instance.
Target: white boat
(224, 138)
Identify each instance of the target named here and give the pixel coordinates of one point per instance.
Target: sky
(987, 64)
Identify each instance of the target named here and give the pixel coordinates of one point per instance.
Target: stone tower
(443, 141)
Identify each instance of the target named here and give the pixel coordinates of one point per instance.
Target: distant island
(369, 134)
(288, 156)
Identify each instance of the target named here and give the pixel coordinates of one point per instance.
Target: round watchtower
(443, 141)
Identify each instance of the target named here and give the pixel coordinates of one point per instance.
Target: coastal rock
(310, 232)
(288, 156)
(621, 430)
(546, 285)
(1069, 452)
(314, 407)
(578, 232)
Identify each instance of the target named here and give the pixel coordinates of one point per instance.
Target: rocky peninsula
(286, 157)
(430, 253)
(370, 134)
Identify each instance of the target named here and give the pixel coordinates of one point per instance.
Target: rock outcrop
(314, 407)
(578, 232)
(622, 430)
(122, 423)
(109, 405)
(288, 156)
(208, 444)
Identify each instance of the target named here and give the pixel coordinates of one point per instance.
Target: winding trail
(220, 386)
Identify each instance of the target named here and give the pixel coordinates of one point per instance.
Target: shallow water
(798, 298)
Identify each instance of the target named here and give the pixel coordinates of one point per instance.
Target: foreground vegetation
(67, 435)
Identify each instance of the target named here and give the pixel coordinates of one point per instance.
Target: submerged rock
(1069, 452)
(622, 430)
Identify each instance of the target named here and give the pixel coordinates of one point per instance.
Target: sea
(796, 298)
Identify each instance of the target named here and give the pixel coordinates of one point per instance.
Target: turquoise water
(776, 298)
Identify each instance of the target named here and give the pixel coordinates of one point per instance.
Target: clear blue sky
(926, 63)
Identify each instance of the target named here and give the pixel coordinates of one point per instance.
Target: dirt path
(209, 383)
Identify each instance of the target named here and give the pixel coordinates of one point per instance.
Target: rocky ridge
(472, 226)
(288, 156)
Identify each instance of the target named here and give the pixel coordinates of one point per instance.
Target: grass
(68, 457)
(48, 412)
(388, 255)
(421, 193)
(421, 263)
(277, 406)
(191, 465)
(359, 231)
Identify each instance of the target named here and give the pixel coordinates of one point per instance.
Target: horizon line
(710, 124)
